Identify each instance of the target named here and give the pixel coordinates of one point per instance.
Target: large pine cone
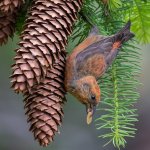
(7, 26)
(44, 104)
(43, 40)
(45, 36)
(9, 6)
(39, 66)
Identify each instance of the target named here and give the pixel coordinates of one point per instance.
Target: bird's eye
(93, 97)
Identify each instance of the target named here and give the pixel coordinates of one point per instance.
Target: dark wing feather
(101, 47)
(107, 47)
(93, 60)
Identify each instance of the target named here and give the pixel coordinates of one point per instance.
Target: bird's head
(88, 93)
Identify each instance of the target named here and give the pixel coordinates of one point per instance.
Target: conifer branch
(119, 84)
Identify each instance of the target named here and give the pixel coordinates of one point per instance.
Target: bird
(88, 61)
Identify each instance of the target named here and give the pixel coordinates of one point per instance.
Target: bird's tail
(124, 34)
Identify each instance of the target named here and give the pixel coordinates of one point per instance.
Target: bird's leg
(94, 31)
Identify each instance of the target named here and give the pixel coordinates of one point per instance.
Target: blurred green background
(75, 133)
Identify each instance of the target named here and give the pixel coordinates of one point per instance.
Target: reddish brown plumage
(71, 58)
(116, 45)
(89, 61)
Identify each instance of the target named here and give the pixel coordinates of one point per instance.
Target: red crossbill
(88, 62)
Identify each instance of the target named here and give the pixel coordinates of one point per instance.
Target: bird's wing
(103, 51)
(95, 59)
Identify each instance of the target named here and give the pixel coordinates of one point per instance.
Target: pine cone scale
(9, 6)
(7, 26)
